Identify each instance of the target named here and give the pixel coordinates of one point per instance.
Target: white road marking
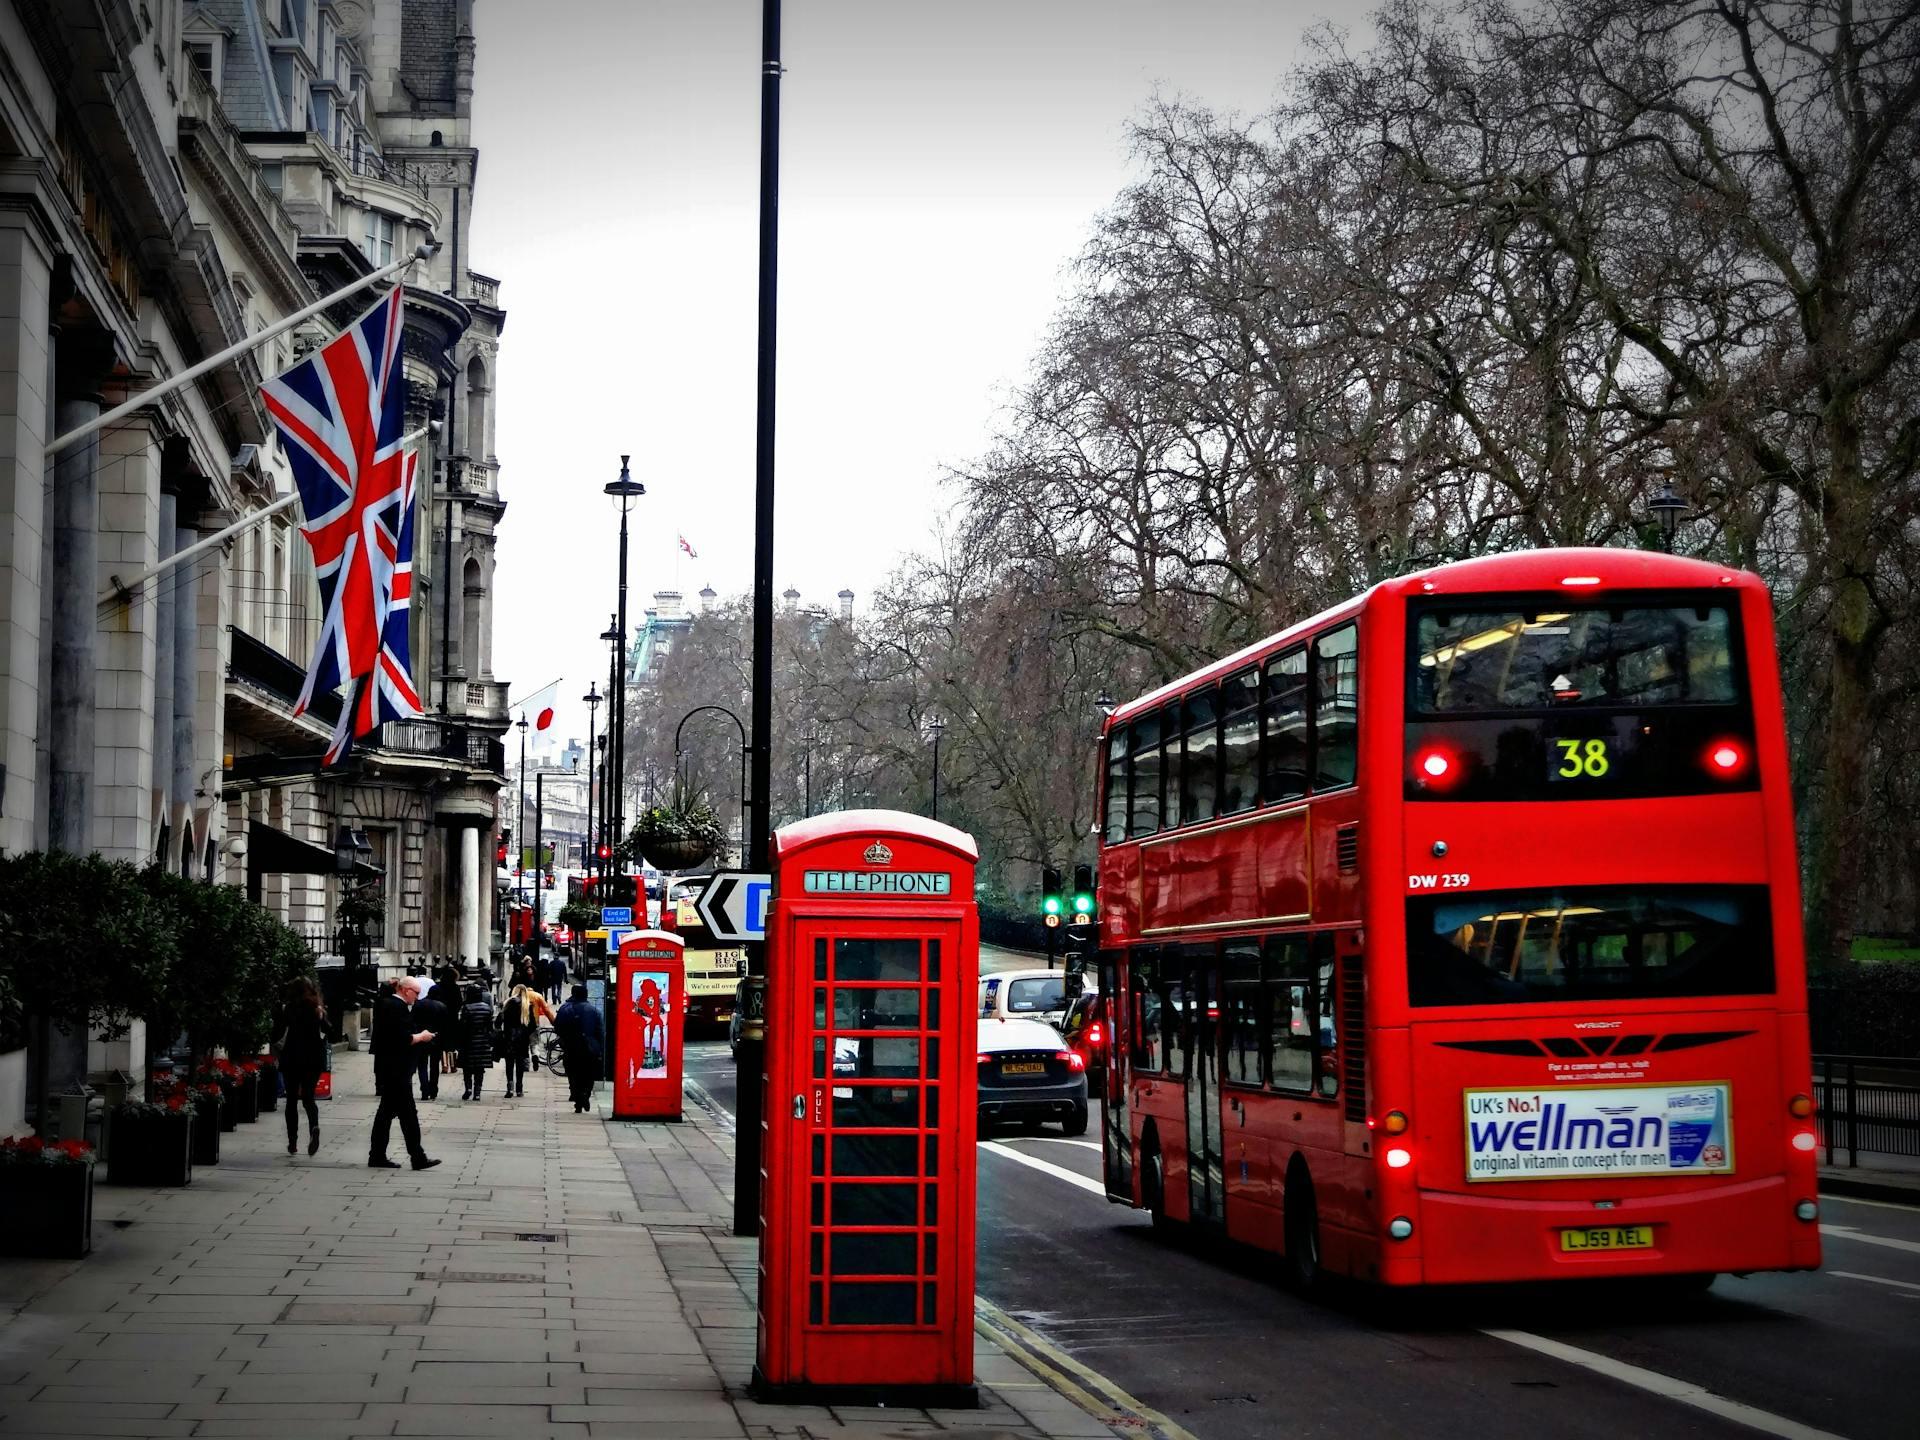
(1848, 1232)
(1059, 1172)
(1876, 1279)
(1055, 1140)
(1684, 1391)
(1826, 1199)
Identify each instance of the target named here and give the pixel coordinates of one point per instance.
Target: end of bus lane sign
(734, 905)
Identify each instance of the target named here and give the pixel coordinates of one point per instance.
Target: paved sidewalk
(558, 1275)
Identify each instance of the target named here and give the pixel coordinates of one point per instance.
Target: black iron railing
(1867, 1103)
(474, 748)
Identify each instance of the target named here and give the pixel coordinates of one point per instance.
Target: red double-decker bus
(1458, 930)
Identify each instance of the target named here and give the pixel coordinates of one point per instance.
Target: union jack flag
(339, 413)
(388, 692)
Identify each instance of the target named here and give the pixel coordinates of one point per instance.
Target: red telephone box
(867, 1197)
(650, 977)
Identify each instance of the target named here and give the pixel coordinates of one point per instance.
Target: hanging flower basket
(679, 854)
(46, 1198)
(678, 835)
(152, 1144)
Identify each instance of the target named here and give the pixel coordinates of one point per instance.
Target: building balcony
(440, 740)
(483, 290)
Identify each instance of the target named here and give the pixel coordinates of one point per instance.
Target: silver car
(1029, 1074)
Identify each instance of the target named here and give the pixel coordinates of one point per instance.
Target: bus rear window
(1519, 947)
(1482, 660)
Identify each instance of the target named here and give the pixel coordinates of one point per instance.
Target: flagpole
(214, 362)
(122, 590)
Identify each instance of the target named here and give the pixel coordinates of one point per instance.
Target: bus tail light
(1805, 1140)
(1436, 768)
(1394, 1122)
(1806, 1210)
(1800, 1106)
(1399, 1158)
(1072, 1057)
(1400, 1227)
(1726, 758)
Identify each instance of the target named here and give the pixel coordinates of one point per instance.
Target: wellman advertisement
(1599, 1130)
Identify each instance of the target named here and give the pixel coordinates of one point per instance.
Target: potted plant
(269, 1069)
(152, 1142)
(206, 1103)
(223, 1076)
(46, 1198)
(247, 1086)
(679, 834)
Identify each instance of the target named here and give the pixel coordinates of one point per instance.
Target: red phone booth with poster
(866, 1205)
(650, 976)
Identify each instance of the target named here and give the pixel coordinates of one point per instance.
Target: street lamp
(612, 636)
(520, 824)
(624, 489)
(1106, 702)
(592, 701)
(1669, 509)
(743, 756)
(938, 727)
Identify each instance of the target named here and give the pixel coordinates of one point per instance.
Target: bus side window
(1143, 784)
(1326, 1005)
(1200, 769)
(1240, 742)
(1144, 1031)
(1174, 1019)
(1116, 785)
(1290, 1033)
(1171, 743)
(1283, 745)
(1336, 700)
(1243, 1004)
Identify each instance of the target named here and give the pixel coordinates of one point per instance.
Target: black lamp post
(1669, 509)
(938, 727)
(592, 701)
(808, 741)
(520, 824)
(624, 489)
(614, 689)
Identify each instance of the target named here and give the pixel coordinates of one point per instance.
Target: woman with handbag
(302, 1051)
(519, 1017)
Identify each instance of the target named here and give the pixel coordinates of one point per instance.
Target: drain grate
(538, 1237)
(477, 1277)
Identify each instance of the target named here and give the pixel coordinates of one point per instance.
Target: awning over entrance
(274, 852)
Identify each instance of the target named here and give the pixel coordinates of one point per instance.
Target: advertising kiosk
(867, 1201)
(649, 992)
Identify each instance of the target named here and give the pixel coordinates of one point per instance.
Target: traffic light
(605, 852)
(1050, 900)
(1082, 893)
(506, 840)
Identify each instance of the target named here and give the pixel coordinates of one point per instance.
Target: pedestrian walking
(526, 968)
(395, 1038)
(519, 1018)
(476, 1040)
(556, 976)
(301, 1051)
(431, 1014)
(446, 992)
(583, 1043)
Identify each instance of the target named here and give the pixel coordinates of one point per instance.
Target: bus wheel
(1303, 1234)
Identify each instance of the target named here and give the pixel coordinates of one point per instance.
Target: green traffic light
(1051, 905)
(1083, 904)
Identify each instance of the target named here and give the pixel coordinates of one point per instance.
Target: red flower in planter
(249, 1067)
(32, 1150)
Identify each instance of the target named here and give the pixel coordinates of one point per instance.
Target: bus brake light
(1805, 1140)
(1399, 1158)
(1726, 757)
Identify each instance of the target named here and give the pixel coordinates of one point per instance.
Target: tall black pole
(617, 770)
(606, 766)
(753, 1043)
(539, 870)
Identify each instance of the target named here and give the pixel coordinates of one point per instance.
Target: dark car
(1029, 1074)
(1085, 1029)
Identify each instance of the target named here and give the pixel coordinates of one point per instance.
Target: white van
(1028, 995)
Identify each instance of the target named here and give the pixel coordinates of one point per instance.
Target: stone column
(164, 600)
(470, 895)
(25, 293)
(125, 642)
(76, 565)
(186, 687)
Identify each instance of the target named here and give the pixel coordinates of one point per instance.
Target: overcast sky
(940, 164)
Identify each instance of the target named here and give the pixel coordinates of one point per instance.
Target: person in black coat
(446, 991)
(302, 1052)
(476, 1041)
(396, 1039)
(556, 976)
(431, 1014)
(583, 1042)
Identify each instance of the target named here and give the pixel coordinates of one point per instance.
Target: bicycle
(547, 1048)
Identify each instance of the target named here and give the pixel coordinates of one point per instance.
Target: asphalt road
(1205, 1335)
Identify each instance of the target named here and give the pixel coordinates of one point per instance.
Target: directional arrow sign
(734, 906)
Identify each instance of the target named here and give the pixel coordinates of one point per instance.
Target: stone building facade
(176, 175)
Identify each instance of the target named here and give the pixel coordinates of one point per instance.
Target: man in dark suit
(432, 1016)
(396, 1042)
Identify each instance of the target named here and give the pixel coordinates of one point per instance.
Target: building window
(200, 55)
(385, 852)
(379, 246)
(272, 177)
